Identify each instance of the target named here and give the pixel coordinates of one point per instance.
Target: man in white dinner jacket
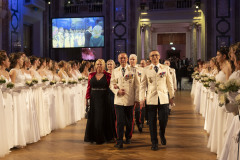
(125, 85)
(139, 112)
(157, 79)
(172, 73)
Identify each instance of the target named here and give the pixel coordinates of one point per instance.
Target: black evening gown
(100, 124)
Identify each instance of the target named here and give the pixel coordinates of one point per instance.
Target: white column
(199, 54)
(142, 40)
(193, 43)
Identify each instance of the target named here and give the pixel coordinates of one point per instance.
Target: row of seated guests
(28, 113)
(221, 117)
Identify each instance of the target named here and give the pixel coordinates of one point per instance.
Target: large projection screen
(87, 32)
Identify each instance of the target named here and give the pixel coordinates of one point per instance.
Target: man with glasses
(125, 86)
(157, 79)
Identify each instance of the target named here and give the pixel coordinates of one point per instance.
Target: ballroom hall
(119, 79)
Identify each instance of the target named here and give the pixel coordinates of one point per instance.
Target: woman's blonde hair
(111, 61)
(102, 61)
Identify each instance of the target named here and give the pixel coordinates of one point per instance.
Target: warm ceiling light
(144, 13)
(145, 20)
(171, 43)
(49, 2)
(197, 7)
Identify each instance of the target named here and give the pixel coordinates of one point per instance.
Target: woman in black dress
(100, 124)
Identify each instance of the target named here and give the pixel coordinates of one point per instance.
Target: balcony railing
(83, 7)
(166, 4)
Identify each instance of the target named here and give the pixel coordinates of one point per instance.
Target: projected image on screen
(78, 32)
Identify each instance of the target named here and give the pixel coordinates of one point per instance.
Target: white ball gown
(216, 139)
(8, 108)
(19, 113)
(4, 144)
(32, 126)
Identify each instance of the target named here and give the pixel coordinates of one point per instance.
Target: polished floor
(186, 140)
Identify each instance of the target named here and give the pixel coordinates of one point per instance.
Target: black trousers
(124, 115)
(162, 111)
(139, 115)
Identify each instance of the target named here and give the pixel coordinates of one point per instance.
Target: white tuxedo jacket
(174, 79)
(158, 85)
(129, 82)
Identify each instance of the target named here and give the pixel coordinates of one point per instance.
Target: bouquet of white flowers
(29, 83)
(63, 81)
(45, 79)
(80, 79)
(195, 74)
(232, 85)
(222, 99)
(10, 85)
(212, 79)
(197, 77)
(204, 78)
(206, 84)
(52, 82)
(2, 80)
(34, 80)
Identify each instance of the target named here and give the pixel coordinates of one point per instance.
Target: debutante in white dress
(39, 102)
(78, 98)
(216, 139)
(66, 99)
(19, 109)
(4, 144)
(32, 126)
(59, 105)
(203, 99)
(211, 101)
(8, 108)
(230, 149)
(198, 92)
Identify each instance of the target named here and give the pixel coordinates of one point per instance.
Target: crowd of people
(39, 95)
(216, 96)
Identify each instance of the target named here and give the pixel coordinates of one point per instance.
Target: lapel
(127, 70)
(160, 68)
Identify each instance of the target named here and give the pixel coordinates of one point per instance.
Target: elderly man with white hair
(125, 86)
(139, 111)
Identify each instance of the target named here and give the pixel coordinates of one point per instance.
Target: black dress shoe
(118, 146)
(128, 141)
(163, 140)
(154, 147)
(140, 128)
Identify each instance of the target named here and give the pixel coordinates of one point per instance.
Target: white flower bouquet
(222, 99)
(197, 77)
(206, 84)
(10, 85)
(63, 81)
(52, 82)
(45, 79)
(34, 80)
(29, 83)
(195, 74)
(2, 80)
(211, 79)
